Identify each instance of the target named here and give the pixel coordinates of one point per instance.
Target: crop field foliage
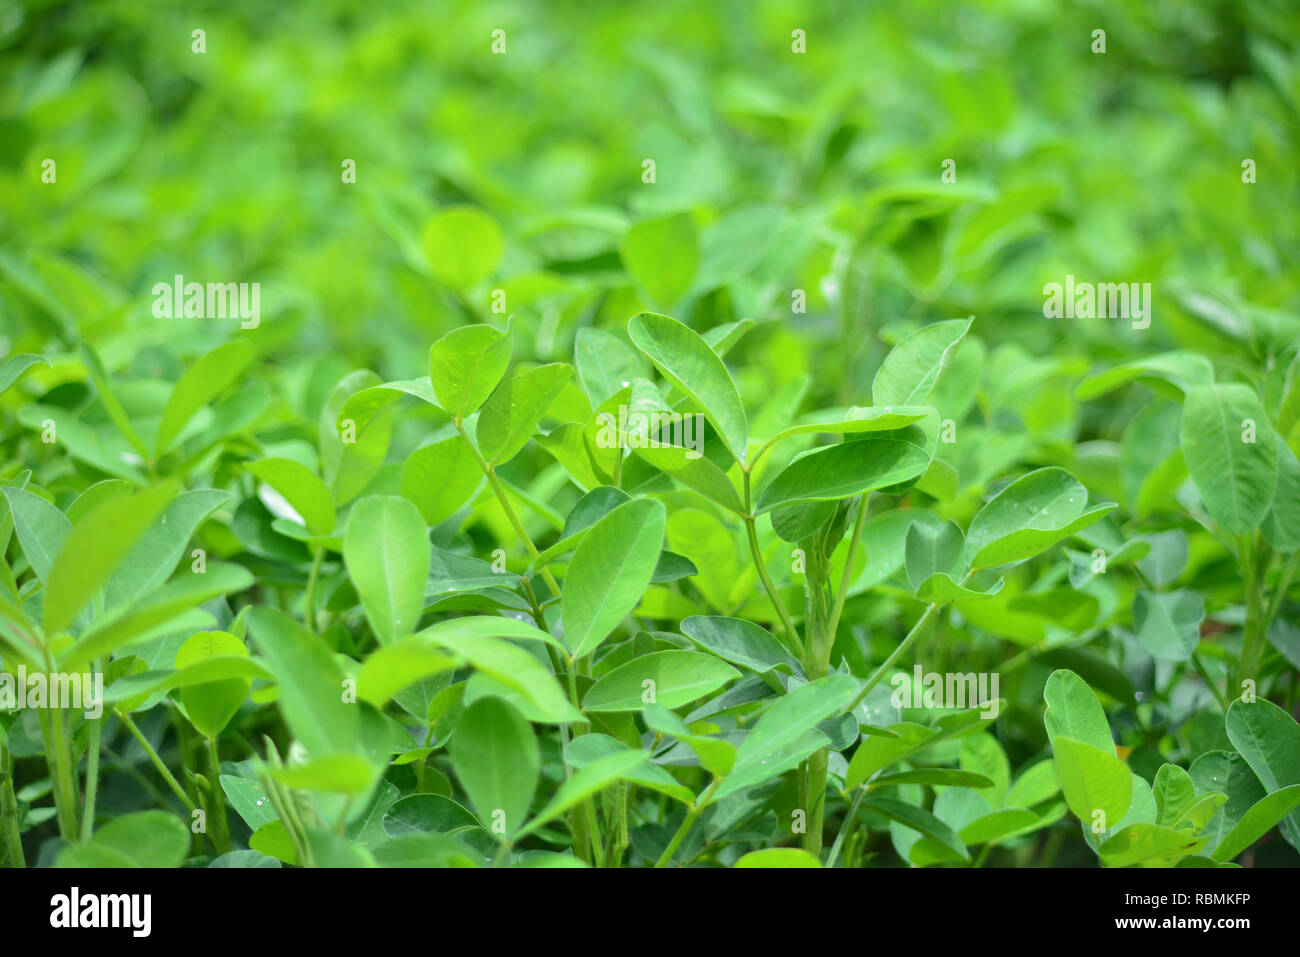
(647, 435)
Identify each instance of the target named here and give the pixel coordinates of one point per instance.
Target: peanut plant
(649, 435)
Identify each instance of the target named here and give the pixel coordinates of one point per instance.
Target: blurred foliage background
(818, 171)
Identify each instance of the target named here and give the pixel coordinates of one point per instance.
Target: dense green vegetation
(738, 434)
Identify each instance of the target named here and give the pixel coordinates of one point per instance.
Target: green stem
(816, 664)
(761, 566)
(847, 577)
(897, 653)
(222, 836)
(92, 778)
(1214, 688)
(846, 827)
(157, 761)
(12, 845)
(1253, 571)
(65, 780)
(490, 473)
(309, 597)
(696, 810)
(1279, 593)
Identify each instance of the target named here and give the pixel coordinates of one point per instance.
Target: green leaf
(16, 366)
(510, 665)
(310, 683)
(1235, 477)
(878, 752)
(911, 369)
(611, 569)
(136, 688)
(399, 665)
(585, 782)
(1269, 739)
(942, 589)
(1035, 785)
(493, 626)
(1269, 811)
(343, 773)
(94, 548)
(465, 366)
(427, 813)
(943, 777)
(1028, 517)
(855, 419)
(1174, 793)
(931, 551)
(425, 850)
(155, 609)
(918, 819)
(786, 734)
(211, 705)
(249, 799)
(1185, 370)
(440, 478)
(361, 407)
(879, 460)
(462, 245)
(1281, 526)
(143, 839)
(588, 748)
(41, 529)
(983, 754)
(686, 361)
(662, 255)
(777, 857)
(677, 678)
(1168, 624)
(495, 755)
(513, 411)
(1226, 772)
(698, 473)
(301, 488)
(606, 365)
(273, 840)
(201, 383)
(716, 755)
(996, 825)
(1148, 844)
(158, 551)
(740, 642)
(1073, 711)
(1092, 780)
(348, 467)
(387, 553)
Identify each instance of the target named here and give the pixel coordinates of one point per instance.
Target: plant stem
(12, 839)
(761, 566)
(847, 577)
(820, 640)
(308, 599)
(846, 827)
(490, 474)
(696, 810)
(1279, 593)
(157, 761)
(65, 781)
(1209, 682)
(1253, 571)
(222, 836)
(896, 653)
(92, 778)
